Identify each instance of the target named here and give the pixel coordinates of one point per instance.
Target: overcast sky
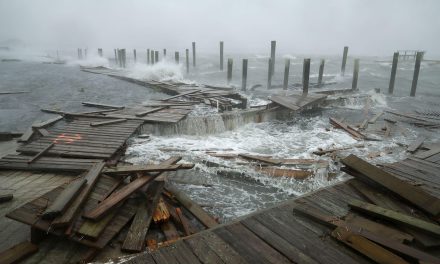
(369, 27)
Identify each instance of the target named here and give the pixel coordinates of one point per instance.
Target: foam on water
(161, 71)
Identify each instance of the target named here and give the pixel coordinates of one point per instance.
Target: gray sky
(369, 27)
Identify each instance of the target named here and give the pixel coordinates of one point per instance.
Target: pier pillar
(286, 74)
(176, 57)
(273, 45)
(120, 57)
(187, 60)
(164, 53)
(306, 76)
(116, 57)
(85, 54)
(134, 55)
(355, 74)
(156, 56)
(321, 72)
(194, 54)
(229, 74)
(100, 52)
(244, 75)
(393, 72)
(124, 58)
(152, 56)
(416, 73)
(221, 55)
(148, 56)
(344, 60)
(269, 74)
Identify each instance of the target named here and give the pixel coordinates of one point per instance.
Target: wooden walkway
(298, 102)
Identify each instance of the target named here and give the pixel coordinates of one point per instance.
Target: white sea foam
(161, 71)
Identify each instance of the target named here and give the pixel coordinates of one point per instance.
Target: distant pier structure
(410, 54)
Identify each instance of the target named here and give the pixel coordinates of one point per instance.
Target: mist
(302, 27)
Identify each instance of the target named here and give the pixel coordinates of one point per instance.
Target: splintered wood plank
(413, 194)
(146, 112)
(104, 123)
(366, 247)
(375, 117)
(284, 101)
(26, 135)
(355, 134)
(194, 208)
(47, 122)
(135, 239)
(258, 158)
(181, 94)
(396, 217)
(102, 105)
(415, 145)
(91, 177)
(161, 214)
(105, 206)
(18, 252)
(59, 206)
(145, 168)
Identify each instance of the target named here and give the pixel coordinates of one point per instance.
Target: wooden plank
(427, 154)
(47, 122)
(258, 158)
(203, 251)
(135, 239)
(411, 193)
(146, 112)
(396, 217)
(221, 248)
(284, 101)
(366, 247)
(92, 176)
(355, 134)
(105, 206)
(181, 94)
(26, 135)
(41, 153)
(146, 168)
(93, 229)
(110, 122)
(18, 252)
(59, 206)
(103, 105)
(43, 132)
(375, 117)
(194, 208)
(415, 145)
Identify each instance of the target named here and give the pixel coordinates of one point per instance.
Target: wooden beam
(93, 229)
(43, 132)
(257, 158)
(92, 177)
(180, 95)
(102, 105)
(41, 153)
(355, 134)
(427, 154)
(375, 117)
(144, 113)
(415, 145)
(411, 193)
(26, 135)
(135, 239)
(18, 252)
(110, 122)
(59, 206)
(47, 122)
(115, 198)
(396, 217)
(194, 208)
(146, 168)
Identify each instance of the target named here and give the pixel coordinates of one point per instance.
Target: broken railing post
(321, 72)
(176, 57)
(100, 52)
(148, 56)
(229, 74)
(416, 73)
(244, 75)
(306, 76)
(134, 55)
(187, 60)
(221, 55)
(355, 74)
(194, 54)
(344, 60)
(156, 56)
(286, 74)
(273, 45)
(269, 74)
(393, 72)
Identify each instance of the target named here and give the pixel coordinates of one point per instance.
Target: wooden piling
(244, 75)
(321, 72)
(306, 76)
(156, 56)
(120, 57)
(269, 74)
(393, 72)
(134, 55)
(116, 57)
(148, 56)
(100, 52)
(221, 55)
(273, 45)
(286, 74)
(124, 58)
(152, 56)
(194, 54)
(419, 57)
(229, 74)
(164, 53)
(85, 54)
(187, 60)
(355, 74)
(344, 60)
(176, 57)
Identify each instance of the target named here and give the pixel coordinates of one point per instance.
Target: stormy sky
(369, 27)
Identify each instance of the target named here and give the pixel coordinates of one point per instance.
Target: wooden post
(152, 56)
(99, 52)
(344, 60)
(286, 74)
(187, 60)
(416, 73)
(269, 75)
(85, 54)
(164, 53)
(221, 55)
(148, 56)
(355, 74)
(134, 55)
(393, 72)
(116, 57)
(273, 45)
(123, 58)
(306, 75)
(156, 56)
(120, 57)
(321, 72)
(176, 57)
(194, 54)
(229, 74)
(244, 75)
